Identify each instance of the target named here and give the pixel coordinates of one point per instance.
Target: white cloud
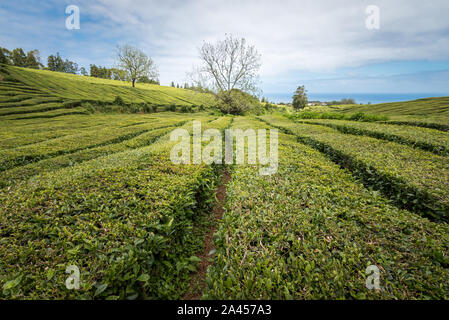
(292, 36)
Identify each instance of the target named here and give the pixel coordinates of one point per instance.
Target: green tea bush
(420, 185)
(422, 138)
(129, 221)
(171, 107)
(339, 116)
(119, 101)
(311, 230)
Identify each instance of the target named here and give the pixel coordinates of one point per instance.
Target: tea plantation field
(87, 180)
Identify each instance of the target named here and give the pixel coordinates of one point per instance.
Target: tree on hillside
(172, 84)
(18, 57)
(145, 79)
(5, 56)
(56, 63)
(93, 70)
(300, 98)
(227, 65)
(83, 71)
(347, 101)
(33, 59)
(117, 74)
(70, 67)
(136, 63)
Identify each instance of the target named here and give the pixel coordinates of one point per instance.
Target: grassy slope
(69, 86)
(420, 107)
(434, 110)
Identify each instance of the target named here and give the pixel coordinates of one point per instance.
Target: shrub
(186, 109)
(360, 116)
(237, 102)
(171, 107)
(115, 109)
(72, 103)
(89, 108)
(119, 101)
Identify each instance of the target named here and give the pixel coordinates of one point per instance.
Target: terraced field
(413, 178)
(118, 209)
(310, 231)
(29, 93)
(99, 191)
(428, 112)
(73, 87)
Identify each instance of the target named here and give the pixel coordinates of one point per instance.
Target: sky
(322, 44)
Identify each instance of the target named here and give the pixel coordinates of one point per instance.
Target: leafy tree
(83, 71)
(136, 63)
(300, 98)
(347, 101)
(5, 56)
(56, 63)
(104, 73)
(107, 73)
(33, 59)
(145, 79)
(93, 71)
(18, 57)
(342, 101)
(117, 74)
(172, 84)
(70, 67)
(100, 72)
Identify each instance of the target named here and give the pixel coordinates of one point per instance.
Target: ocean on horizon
(364, 98)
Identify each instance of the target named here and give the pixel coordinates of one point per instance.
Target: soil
(198, 280)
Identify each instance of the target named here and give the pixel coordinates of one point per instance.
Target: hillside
(101, 192)
(420, 107)
(30, 91)
(427, 110)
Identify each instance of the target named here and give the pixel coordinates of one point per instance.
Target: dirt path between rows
(198, 280)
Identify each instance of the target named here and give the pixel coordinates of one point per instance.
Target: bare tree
(227, 65)
(136, 63)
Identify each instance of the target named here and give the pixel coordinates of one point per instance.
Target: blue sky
(323, 44)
